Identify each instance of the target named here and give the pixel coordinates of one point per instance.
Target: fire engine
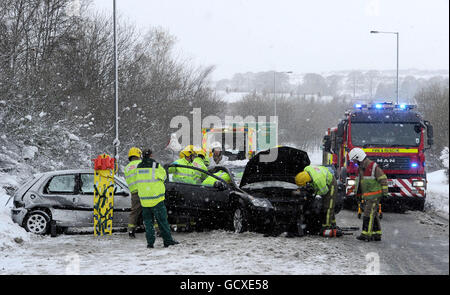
(392, 135)
(241, 141)
(237, 143)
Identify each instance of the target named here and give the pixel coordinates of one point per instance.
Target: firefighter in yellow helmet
(202, 157)
(200, 163)
(130, 172)
(182, 174)
(324, 184)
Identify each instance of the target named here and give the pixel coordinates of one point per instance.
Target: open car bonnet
(288, 163)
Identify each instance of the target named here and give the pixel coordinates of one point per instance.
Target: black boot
(365, 228)
(376, 237)
(363, 237)
(131, 233)
(377, 229)
(171, 243)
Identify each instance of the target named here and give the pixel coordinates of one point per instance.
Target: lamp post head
(374, 32)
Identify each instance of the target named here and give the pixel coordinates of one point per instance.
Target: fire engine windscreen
(385, 134)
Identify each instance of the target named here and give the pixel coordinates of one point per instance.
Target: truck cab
(394, 137)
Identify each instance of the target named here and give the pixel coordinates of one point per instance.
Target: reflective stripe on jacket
(198, 163)
(150, 183)
(371, 187)
(321, 178)
(181, 174)
(130, 172)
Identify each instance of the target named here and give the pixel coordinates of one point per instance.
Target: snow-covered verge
(438, 193)
(11, 234)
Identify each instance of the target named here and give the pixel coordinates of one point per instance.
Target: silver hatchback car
(63, 199)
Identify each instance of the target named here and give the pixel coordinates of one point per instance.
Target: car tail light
(18, 204)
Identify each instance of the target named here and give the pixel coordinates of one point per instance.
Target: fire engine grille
(392, 163)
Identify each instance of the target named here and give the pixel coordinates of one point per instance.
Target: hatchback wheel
(240, 221)
(37, 223)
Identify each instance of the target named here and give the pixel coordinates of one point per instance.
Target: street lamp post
(274, 94)
(116, 141)
(396, 33)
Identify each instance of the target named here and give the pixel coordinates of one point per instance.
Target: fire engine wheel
(421, 205)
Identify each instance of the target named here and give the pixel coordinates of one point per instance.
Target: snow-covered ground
(215, 252)
(437, 193)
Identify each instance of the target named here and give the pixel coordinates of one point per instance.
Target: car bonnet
(289, 162)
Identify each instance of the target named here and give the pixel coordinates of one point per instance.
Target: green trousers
(159, 212)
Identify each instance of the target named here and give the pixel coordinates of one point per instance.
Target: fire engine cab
(392, 135)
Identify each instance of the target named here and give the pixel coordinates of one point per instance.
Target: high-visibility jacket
(150, 182)
(198, 163)
(321, 178)
(130, 172)
(372, 180)
(181, 174)
(209, 181)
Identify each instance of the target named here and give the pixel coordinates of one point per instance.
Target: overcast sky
(239, 36)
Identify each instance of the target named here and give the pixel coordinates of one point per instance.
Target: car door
(85, 214)
(214, 198)
(181, 198)
(122, 204)
(58, 193)
(197, 199)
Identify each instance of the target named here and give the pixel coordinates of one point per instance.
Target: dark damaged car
(266, 199)
(219, 204)
(270, 175)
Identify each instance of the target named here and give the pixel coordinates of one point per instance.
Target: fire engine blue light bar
(378, 106)
(402, 106)
(358, 106)
(414, 165)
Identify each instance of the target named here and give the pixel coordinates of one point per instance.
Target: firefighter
(130, 171)
(181, 174)
(210, 181)
(151, 190)
(200, 163)
(324, 184)
(371, 185)
(218, 158)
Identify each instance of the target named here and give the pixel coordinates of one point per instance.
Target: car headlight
(257, 202)
(351, 182)
(419, 183)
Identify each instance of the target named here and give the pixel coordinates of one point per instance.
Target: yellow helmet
(134, 152)
(187, 151)
(302, 178)
(200, 151)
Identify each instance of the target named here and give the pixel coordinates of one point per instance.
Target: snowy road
(414, 243)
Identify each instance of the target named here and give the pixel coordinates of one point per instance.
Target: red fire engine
(393, 137)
